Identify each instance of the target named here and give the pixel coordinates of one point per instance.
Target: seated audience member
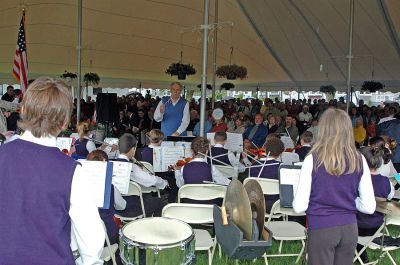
(305, 115)
(120, 126)
(9, 96)
(314, 128)
(156, 137)
(82, 145)
(198, 170)
(219, 124)
(152, 205)
(368, 224)
(238, 127)
(272, 124)
(360, 134)
(289, 128)
(44, 194)
(386, 169)
(116, 201)
(207, 126)
(306, 139)
(255, 135)
(270, 168)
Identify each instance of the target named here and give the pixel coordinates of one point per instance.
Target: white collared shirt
(232, 159)
(158, 116)
(217, 175)
(86, 225)
(144, 178)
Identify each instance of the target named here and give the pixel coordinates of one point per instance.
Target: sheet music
(64, 143)
(74, 136)
(187, 150)
(121, 175)
(234, 141)
(166, 156)
(167, 143)
(96, 172)
(289, 158)
(290, 176)
(287, 142)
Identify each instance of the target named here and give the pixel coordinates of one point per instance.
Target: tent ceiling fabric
(283, 43)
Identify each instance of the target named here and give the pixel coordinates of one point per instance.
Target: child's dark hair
(274, 147)
(379, 142)
(307, 137)
(220, 136)
(373, 156)
(200, 145)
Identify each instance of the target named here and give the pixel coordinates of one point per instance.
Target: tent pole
(214, 52)
(79, 47)
(205, 27)
(350, 56)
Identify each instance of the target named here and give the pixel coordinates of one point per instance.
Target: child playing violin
(198, 170)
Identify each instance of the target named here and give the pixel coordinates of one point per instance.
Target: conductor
(173, 112)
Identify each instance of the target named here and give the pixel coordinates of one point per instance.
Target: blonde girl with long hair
(335, 183)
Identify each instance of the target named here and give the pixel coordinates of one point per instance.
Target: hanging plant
(208, 86)
(231, 72)
(91, 79)
(67, 74)
(329, 89)
(227, 86)
(372, 86)
(181, 70)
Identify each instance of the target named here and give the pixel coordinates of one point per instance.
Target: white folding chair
(201, 192)
(289, 158)
(269, 187)
(285, 231)
(109, 251)
(149, 168)
(195, 214)
(134, 190)
(228, 171)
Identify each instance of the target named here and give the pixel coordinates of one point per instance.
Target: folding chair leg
(220, 250)
(266, 259)
(213, 249)
(391, 258)
(301, 251)
(280, 247)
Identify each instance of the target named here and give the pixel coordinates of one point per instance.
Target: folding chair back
(134, 190)
(189, 213)
(148, 167)
(201, 192)
(268, 186)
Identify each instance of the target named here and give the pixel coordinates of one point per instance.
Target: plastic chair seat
(363, 240)
(287, 230)
(203, 239)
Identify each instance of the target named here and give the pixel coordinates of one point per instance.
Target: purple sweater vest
(147, 155)
(216, 151)
(196, 172)
(332, 199)
(35, 225)
(382, 189)
(269, 172)
(80, 146)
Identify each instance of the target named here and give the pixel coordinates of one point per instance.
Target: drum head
(157, 231)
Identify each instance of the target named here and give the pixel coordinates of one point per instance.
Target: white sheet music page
(121, 175)
(95, 172)
(290, 176)
(64, 143)
(165, 156)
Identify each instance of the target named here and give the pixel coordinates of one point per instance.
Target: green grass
(293, 247)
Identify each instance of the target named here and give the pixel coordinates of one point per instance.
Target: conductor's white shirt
(86, 225)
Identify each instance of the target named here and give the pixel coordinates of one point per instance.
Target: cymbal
(387, 207)
(238, 208)
(257, 202)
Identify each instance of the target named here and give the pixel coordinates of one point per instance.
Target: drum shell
(136, 253)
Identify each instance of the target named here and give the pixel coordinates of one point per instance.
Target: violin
(180, 163)
(258, 152)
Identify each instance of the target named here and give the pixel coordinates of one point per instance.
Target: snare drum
(157, 241)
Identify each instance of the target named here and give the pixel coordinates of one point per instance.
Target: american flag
(20, 68)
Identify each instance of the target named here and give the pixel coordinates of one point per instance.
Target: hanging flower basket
(91, 79)
(208, 86)
(181, 70)
(227, 86)
(372, 86)
(69, 75)
(328, 89)
(232, 72)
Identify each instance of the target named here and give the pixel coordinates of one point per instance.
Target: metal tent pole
(79, 48)
(350, 56)
(205, 27)
(214, 52)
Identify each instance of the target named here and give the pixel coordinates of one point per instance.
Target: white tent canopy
(283, 43)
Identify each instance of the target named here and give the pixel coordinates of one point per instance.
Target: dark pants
(173, 189)
(152, 206)
(332, 246)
